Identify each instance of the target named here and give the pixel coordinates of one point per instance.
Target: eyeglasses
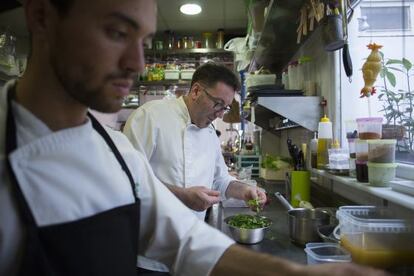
(218, 104)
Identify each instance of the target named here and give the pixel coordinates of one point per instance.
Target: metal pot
(304, 223)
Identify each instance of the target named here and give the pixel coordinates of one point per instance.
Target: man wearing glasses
(177, 137)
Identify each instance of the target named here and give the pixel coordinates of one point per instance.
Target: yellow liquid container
(381, 250)
(324, 142)
(322, 157)
(376, 236)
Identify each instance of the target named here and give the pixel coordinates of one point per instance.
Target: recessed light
(190, 9)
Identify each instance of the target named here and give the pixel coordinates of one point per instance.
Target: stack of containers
(376, 236)
(381, 162)
(351, 136)
(368, 129)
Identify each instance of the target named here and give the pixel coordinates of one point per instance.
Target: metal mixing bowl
(247, 236)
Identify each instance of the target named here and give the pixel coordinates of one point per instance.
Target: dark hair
(210, 73)
(62, 6)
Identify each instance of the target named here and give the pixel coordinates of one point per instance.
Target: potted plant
(397, 102)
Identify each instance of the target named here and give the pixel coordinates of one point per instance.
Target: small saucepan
(304, 223)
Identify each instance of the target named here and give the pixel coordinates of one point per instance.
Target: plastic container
(369, 128)
(351, 128)
(380, 174)
(351, 147)
(338, 159)
(381, 151)
(361, 150)
(172, 74)
(352, 167)
(262, 79)
(320, 253)
(187, 74)
(376, 236)
(324, 142)
(361, 168)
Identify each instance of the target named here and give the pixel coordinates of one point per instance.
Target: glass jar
(220, 39)
(207, 40)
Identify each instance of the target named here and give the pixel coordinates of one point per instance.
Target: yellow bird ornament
(370, 70)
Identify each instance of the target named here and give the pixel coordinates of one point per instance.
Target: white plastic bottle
(324, 142)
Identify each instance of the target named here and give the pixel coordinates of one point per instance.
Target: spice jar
(207, 40)
(220, 39)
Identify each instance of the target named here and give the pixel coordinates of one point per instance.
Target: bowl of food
(248, 229)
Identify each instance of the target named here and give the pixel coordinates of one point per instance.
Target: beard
(80, 85)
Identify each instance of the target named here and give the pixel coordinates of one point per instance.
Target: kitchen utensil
(247, 236)
(303, 223)
(332, 32)
(346, 57)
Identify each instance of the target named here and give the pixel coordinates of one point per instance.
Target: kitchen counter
(276, 241)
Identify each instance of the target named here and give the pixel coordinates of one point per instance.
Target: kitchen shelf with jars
(171, 63)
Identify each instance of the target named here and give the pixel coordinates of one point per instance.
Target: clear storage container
(376, 236)
(380, 174)
(361, 150)
(381, 151)
(369, 128)
(326, 252)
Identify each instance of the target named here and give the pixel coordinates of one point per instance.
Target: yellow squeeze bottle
(324, 142)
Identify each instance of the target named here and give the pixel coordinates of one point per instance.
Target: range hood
(305, 111)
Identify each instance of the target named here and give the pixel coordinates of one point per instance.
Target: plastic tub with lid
(326, 252)
(381, 151)
(376, 236)
(369, 128)
(380, 174)
(361, 150)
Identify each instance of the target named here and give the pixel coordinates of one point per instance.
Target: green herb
(255, 204)
(248, 221)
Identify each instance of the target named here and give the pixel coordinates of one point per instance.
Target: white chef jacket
(72, 174)
(180, 153)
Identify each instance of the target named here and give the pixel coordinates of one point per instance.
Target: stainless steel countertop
(276, 241)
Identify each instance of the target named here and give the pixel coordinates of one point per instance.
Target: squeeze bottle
(314, 151)
(324, 142)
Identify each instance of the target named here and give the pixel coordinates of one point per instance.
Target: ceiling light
(190, 9)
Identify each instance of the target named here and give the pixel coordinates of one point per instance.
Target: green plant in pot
(397, 102)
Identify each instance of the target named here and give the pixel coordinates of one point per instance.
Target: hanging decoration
(370, 70)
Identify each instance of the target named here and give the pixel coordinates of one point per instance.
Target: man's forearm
(240, 261)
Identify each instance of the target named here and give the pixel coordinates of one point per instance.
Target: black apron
(103, 244)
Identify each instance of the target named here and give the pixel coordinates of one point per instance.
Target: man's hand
(197, 198)
(246, 192)
(254, 193)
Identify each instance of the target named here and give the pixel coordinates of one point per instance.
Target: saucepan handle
(283, 201)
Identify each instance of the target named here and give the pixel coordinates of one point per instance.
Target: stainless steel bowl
(247, 236)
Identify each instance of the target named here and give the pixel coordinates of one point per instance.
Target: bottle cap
(336, 144)
(325, 119)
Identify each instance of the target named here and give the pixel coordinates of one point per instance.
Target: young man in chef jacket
(77, 198)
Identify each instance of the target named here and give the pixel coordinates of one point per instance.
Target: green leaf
(396, 69)
(394, 61)
(407, 64)
(391, 78)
